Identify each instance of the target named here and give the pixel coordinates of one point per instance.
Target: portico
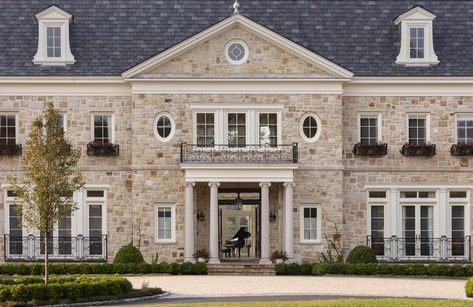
(213, 177)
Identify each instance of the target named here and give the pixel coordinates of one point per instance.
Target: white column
(441, 218)
(289, 221)
(213, 246)
(189, 223)
(265, 223)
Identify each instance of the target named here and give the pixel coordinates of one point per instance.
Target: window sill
(49, 62)
(165, 242)
(420, 63)
(312, 242)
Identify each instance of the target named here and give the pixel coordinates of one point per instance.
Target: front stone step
(241, 269)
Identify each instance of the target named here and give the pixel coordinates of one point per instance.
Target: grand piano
(237, 242)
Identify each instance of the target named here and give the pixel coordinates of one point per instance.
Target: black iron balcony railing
(380, 149)
(441, 249)
(10, 149)
(31, 248)
(191, 153)
(426, 150)
(104, 149)
(462, 150)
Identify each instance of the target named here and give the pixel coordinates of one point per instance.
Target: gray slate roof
(110, 36)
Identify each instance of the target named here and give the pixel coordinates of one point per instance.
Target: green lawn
(343, 303)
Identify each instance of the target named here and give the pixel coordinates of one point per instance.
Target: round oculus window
(164, 127)
(237, 52)
(310, 127)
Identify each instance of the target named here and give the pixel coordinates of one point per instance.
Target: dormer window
(53, 37)
(417, 46)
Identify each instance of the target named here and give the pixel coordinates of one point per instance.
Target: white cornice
(250, 26)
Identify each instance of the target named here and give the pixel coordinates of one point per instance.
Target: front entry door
(418, 230)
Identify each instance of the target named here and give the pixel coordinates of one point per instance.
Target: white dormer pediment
(53, 37)
(417, 44)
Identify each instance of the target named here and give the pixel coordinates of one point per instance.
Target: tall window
(165, 224)
(416, 42)
(236, 129)
(53, 42)
(206, 129)
(465, 130)
(417, 129)
(95, 202)
(7, 129)
(65, 235)
(268, 129)
(16, 231)
(310, 224)
(369, 129)
(458, 202)
(103, 128)
(377, 202)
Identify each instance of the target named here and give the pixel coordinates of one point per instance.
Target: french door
(418, 230)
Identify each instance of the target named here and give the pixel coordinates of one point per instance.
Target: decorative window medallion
(164, 127)
(310, 127)
(236, 52)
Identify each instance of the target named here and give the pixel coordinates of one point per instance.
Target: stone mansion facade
(287, 122)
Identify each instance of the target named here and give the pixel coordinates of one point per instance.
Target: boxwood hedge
(105, 268)
(63, 289)
(320, 269)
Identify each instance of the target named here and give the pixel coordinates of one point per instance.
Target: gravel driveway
(212, 286)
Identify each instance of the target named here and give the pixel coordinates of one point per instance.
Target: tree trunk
(46, 258)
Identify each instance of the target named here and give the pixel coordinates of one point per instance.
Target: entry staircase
(241, 268)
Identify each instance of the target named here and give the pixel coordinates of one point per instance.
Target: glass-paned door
(95, 229)
(64, 232)
(16, 231)
(458, 230)
(418, 230)
(232, 221)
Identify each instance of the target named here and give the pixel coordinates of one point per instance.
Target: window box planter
(462, 150)
(380, 149)
(103, 149)
(411, 150)
(10, 150)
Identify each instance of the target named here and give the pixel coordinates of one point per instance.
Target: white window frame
(379, 128)
(319, 127)
(173, 127)
(465, 202)
(245, 47)
(92, 201)
(17, 124)
(427, 125)
(417, 17)
(377, 201)
(112, 123)
(318, 240)
(221, 121)
(173, 224)
(53, 17)
(460, 116)
(257, 126)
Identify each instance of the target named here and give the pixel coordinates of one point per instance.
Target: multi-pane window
(310, 216)
(236, 129)
(7, 129)
(377, 229)
(53, 42)
(65, 234)
(165, 223)
(417, 129)
(268, 129)
(206, 129)
(465, 130)
(95, 228)
(369, 129)
(16, 231)
(103, 128)
(164, 126)
(309, 127)
(416, 42)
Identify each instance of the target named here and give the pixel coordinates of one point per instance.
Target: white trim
(238, 173)
(318, 240)
(112, 123)
(248, 25)
(379, 124)
(245, 56)
(173, 224)
(461, 115)
(319, 127)
(211, 107)
(216, 123)
(155, 129)
(17, 123)
(427, 124)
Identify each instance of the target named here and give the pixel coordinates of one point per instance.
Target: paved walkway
(221, 286)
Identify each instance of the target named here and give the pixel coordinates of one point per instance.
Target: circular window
(310, 127)
(236, 52)
(164, 127)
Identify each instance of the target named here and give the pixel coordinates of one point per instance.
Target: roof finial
(236, 6)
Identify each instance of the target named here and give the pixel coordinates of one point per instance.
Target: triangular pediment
(269, 56)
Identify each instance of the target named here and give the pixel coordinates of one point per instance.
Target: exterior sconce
(272, 216)
(200, 216)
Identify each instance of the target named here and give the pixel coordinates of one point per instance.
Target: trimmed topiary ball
(129, 254)
(361, 254)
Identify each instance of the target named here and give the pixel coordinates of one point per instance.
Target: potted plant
(278, 256)
(201, 255)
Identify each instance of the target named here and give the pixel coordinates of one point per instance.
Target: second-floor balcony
(279, 154)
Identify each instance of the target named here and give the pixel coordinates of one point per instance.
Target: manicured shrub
(129, 254)
(361, 254)
(469, 287)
